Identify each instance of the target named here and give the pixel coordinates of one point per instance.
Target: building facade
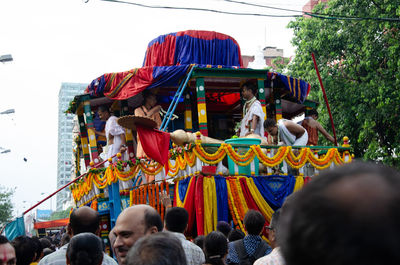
(65, 139)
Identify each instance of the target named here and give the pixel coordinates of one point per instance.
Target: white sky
(55, 41)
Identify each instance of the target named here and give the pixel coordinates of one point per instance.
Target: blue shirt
(251, 243)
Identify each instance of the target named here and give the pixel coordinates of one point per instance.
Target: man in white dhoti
(253, 114)
(114, 132)
(286, 131)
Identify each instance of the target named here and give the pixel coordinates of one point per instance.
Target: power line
(199, 9)
(315, 15)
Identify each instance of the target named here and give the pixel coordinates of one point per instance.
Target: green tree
(60, 214)
(359, 62)
(6, 206)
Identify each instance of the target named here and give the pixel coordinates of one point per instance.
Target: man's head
(313, 113)
(157, 249)
(133, 223)
(84, 219)
(104, 112)
(38, 248)
(24, 250)
(254, 222)
(349, 215)
(176, 219)
(7, 252)
(248, 90)
(215, 247)
(85, 249)
(235, 234)
(149, 98)
(271, 127)
(272, 233)
(224, 228)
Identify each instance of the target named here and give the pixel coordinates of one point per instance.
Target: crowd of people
(349, 215)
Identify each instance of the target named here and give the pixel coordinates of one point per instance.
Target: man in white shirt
(176, 222)
(114, 133)
(253, 114)
(275, 257)
(84, 219)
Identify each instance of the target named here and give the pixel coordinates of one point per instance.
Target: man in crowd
(252, 246)
(253, 114)
(157, 249)
(286, 131)
(176, 222)
(133, 223)
(25, 250)
(312, 126)
(7, 252)
(275, 257)
(349, 215)
(81, 220)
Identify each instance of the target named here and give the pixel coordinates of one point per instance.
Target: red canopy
(52, 224)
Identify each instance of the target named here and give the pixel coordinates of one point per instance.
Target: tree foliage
(60, 214)
(359, 63)
(6, 206)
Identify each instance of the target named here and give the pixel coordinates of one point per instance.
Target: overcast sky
(55, 41)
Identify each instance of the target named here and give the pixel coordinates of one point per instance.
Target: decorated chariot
(196, 76)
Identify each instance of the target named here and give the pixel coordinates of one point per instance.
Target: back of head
(312, 112)
(215, 248)
(349, 215)
(85, 249)
(3, 240)
(157, 249)
(176, 219)
(45, 242)
(152, 218)
(268, 123)
(24, 249)
(224, 228)
(199, 241)
(254, 222)
(84, 219)
(235, 234)
(38, 248)
(47, 251)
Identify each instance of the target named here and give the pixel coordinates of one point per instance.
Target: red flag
(155, 144)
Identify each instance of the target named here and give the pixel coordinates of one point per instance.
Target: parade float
(196, 76)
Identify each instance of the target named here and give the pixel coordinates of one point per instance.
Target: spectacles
(269, 227)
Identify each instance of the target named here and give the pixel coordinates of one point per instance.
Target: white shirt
(274, 258)
(255, 109)
(59, 258)
(194, 254)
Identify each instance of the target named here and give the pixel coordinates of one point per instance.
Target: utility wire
(199, 9)
(315, 15)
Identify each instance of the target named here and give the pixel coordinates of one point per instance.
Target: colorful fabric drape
(155, 144)
(199, 205)
(222, 198)
(193, 46)
(185, 198)
(275, 189)
(210, 205)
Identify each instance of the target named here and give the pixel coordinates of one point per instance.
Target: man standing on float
(253, 114)
(113, 131)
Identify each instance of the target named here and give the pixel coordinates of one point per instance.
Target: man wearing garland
(253, 114)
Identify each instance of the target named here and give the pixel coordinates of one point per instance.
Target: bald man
(133, 223)
(82, 220)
